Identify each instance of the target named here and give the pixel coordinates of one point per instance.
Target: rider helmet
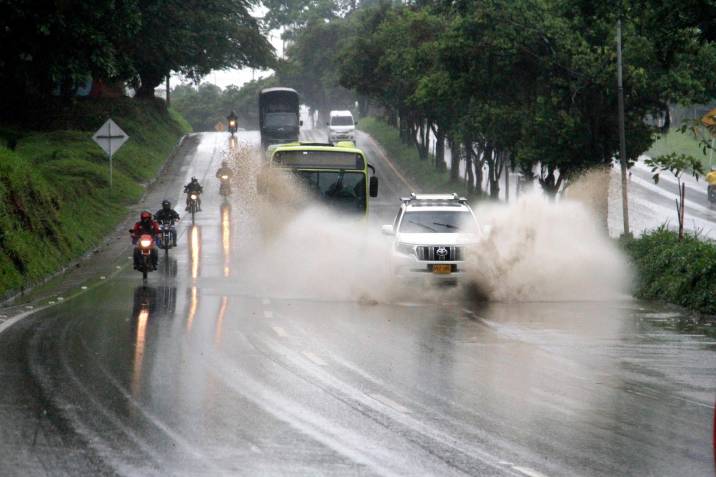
(224, 164)
(145, 216)
(166, 205)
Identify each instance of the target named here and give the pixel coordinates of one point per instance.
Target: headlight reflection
(226, 237)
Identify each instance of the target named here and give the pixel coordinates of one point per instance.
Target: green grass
(406, 158)
(683, 143)
(673, 271)
(55, 200)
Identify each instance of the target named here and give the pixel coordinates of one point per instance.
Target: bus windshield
(343, 190)
(276, 120)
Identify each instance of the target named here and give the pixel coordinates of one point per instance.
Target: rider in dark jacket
(196, 188)
(225, 170)
(168, 215)
(145, 226)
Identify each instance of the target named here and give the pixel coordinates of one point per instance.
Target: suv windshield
(438, 221)
(276, 120)
(341, 121)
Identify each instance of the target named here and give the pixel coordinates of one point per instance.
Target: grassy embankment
(55, 201)
(421, 172)
(680, 142)
(677, 272)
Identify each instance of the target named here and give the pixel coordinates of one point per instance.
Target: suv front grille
(439, 253)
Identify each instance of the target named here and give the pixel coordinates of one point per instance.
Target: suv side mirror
(373, 187)
(387, 229)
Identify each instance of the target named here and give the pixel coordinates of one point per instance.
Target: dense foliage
(52, 47)
(526, 83)
(206, 105)
(676, 271)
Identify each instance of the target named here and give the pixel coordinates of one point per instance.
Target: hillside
(55, 200)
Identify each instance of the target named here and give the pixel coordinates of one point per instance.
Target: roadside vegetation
(527, 84)
(55, 201)
(682, 272)
(421, 171)
(681, 142)
(206, 105)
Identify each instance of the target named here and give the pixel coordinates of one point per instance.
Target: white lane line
(527, 471)
(390, 403)
(266, 301)
(268, 314)
(314, 358)
(256, 450)
(280, 331)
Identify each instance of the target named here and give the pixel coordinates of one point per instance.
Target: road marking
(280, 331)
(268, 314)
(527, 471)
(102, 277)
(266, 301)
(384, 156)
(314, 358)
(390, 403)
(59, 298)
(84, 287)
(256, 450)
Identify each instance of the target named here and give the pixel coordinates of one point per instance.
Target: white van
(341, 127)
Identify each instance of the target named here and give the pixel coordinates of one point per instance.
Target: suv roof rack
(434, 199)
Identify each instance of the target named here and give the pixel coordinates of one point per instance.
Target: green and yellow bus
(336, 175)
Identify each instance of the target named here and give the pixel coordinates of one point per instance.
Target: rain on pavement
(213, 369)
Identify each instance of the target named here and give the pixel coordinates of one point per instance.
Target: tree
(677, 165)
(194, 37)
(59, 44)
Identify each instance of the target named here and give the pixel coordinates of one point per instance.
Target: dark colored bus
(278, 116)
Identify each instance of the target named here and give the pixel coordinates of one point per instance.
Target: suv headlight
(405, 249)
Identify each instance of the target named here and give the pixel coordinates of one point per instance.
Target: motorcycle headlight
(224, 177)
(193, 197)
(405, 248)
(146, 243)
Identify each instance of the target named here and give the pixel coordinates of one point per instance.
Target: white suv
(431, 234)
(341, 127)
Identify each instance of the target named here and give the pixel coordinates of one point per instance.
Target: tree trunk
(149, 81)
(468, 168)
(440, 150)
(454, 162)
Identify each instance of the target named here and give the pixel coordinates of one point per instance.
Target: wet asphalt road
(209, 370)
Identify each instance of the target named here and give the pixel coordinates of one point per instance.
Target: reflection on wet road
(208, 371)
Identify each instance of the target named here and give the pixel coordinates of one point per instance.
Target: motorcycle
(193, 204)
(225, 187)
(145, 245)
(232, 126)
(166, 240)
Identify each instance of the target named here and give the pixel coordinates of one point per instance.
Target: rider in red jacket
(145, 226)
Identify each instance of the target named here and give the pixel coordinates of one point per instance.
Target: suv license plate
(442, 268)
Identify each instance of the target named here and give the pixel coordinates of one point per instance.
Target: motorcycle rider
(145, 226)
(193, 187)
(170, 216)
(232, 120)
(711, 181)
(224, 170)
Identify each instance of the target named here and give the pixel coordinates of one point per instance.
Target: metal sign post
(110, 138)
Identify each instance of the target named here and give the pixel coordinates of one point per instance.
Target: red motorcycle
(145, 246)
